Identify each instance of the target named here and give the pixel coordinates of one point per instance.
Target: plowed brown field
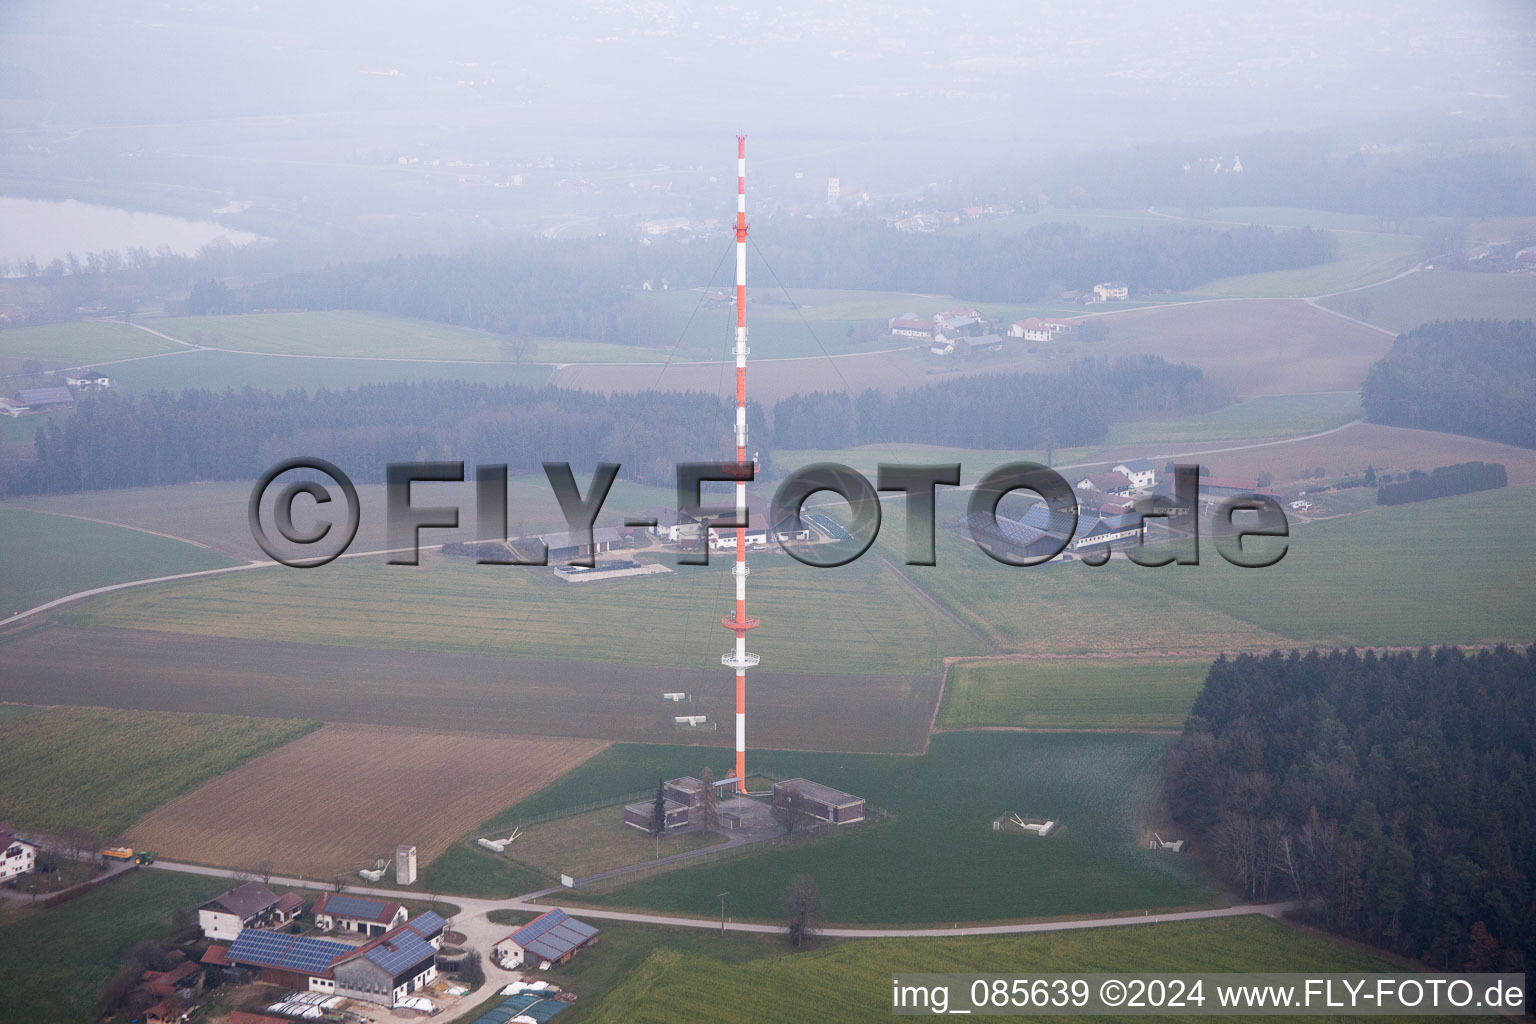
(337, 799)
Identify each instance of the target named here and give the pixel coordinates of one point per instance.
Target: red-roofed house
(1030, 329)
(1107, 483)
(910, 327)
(357, 914)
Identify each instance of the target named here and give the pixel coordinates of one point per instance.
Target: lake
(44, 230)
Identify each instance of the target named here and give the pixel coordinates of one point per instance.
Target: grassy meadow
(819, 619)
(53, 963)
(1406, 303)
(76, 344)
(923, 863)
(850, 981)
(100, 770)
(51, 556)
(1244, 419)
(1422, 573)
(1071, 693)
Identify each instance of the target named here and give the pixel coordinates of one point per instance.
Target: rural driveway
(481, 933)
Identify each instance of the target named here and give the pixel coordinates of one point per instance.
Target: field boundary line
(126, 526)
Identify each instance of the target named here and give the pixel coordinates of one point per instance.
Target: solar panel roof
(553, 935)
(289, 952)
(428, 924)
(402, 950)
(355, 906)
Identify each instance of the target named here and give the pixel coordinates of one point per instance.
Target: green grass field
(1441, 295)
(74, 344)
(219, 370)
(925, 862)
(49, 556)
(1364, 258)
(454, 605)
(1073, 693)
(63, 768)
(53, 963)
(468, 870)
(363, 335)
(852, 981)
(1261, 416)
(1423, 573)
(1453, 570)
(214, 513)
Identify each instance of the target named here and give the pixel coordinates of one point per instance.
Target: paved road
(473, 909)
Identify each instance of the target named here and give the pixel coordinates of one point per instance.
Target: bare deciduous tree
(802, 905)
(706, 810)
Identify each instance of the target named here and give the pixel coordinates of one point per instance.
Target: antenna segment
(738, 621)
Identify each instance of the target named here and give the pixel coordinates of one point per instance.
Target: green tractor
(144, 857)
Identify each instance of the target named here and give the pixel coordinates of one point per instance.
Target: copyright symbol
(1112, 992)
(282, 512)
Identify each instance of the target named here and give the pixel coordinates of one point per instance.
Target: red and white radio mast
(738, 621)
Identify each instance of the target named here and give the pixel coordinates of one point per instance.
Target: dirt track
(126, 668)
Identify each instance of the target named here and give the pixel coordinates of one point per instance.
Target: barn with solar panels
(549, 939)
(356, 914)
(387, 969)
(294, 961)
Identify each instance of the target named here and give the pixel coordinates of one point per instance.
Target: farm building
(1030, 329)
(982, 343)
(909, 326)
(244, 906)
(1141, 472)
(567, 547)
(673, 526)
(89, 380)
(1107, 483)
(357, 914)
(823, 802)
(289, 906)
(42, 399)
(1109, 531)
(551, 938)
(17, 856)
(639, 815)
(388, 968)
(383, 970)
(955, 311)
(1110, 291)
(1216, 488)
(1058, 326)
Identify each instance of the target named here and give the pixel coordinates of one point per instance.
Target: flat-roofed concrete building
(823, 802)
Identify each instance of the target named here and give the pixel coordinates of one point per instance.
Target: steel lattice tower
(738, 621)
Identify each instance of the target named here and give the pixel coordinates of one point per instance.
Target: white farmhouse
(1140, 472)
(17, 856)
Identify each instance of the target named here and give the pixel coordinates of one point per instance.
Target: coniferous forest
(1399, 790)
(1474, 377)
(113, 440)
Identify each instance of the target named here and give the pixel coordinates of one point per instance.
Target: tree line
(1398, 789)
(586, 288)
(1005, 410)
(113, 440)
(1035, 264)
(1475, 377)
(1462, 478)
